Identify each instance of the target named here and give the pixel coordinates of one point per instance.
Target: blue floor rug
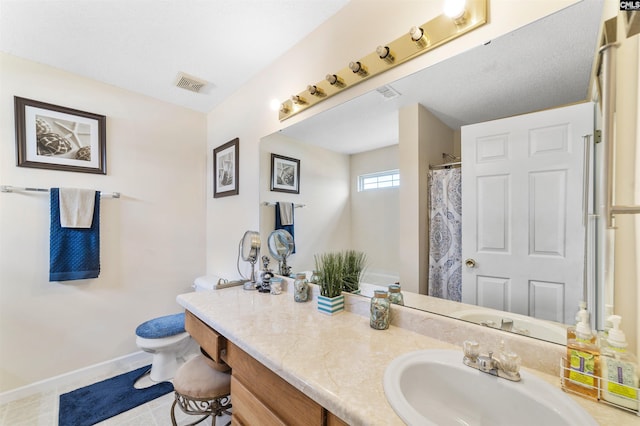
(97, 402)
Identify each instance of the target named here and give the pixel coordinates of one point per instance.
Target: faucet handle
(510, 362)
(471, 349)
(506, 324)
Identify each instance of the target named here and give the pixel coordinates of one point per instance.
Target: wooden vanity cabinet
(264, 398)
(213, 343)
(259, 396)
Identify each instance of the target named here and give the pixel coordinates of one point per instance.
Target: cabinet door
(208, 339)
(333, 420)
(248, 409)
(287, 403)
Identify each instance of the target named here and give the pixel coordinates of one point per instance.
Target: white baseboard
(89, 372)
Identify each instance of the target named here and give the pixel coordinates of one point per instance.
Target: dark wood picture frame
(285, 174)
(226, 167)
(59, 138)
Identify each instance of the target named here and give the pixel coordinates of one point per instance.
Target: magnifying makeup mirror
(280, 243)
(249, 250)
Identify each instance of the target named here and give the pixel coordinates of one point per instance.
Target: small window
(388, 179)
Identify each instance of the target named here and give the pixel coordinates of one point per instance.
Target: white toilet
(166, 338)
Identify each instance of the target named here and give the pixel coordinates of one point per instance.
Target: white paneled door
(522, 212)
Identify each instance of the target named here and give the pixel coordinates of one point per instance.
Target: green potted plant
(330, 273)
(353, 266)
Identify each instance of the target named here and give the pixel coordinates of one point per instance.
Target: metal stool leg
(193, 406)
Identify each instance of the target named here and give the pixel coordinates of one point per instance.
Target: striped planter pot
(331, 305)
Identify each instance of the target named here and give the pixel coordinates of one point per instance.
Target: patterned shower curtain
(445, 234)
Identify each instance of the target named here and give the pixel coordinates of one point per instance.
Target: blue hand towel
(74, 252)
(288, 228)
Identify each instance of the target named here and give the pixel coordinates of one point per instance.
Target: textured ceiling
(544, 64)
(142, 45)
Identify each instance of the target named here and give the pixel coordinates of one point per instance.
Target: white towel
(286, 213)
(76, 207)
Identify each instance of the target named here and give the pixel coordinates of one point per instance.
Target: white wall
(152, 239)
(351, 33)
(156, 157)
(376, 214)
(324, 223)
(627, 186)
(423, 139)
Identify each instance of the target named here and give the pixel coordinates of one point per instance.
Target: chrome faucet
(506, 324)
(506, 366)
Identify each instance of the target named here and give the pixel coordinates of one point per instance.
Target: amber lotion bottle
(583, 356)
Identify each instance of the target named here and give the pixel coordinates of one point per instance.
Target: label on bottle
(582, 367)
(620, 378)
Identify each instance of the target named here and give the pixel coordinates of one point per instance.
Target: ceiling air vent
(189, 82)
(388, 92)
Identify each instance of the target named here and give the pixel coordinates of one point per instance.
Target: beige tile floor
(42, 409)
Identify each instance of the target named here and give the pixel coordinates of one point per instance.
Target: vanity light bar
(435, 32)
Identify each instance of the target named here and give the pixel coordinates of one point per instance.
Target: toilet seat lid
(157, 328)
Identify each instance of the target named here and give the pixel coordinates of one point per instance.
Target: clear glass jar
(315, 278)
(301, 288)
(395, 294)
(379, 310)
(276, 285)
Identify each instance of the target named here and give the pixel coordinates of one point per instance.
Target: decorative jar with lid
(301, 288)
(379, 310)
(395, 294)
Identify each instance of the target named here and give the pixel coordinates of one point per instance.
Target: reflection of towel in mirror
(284, 219)
(286, 213)
(76, 207)
(74, 252)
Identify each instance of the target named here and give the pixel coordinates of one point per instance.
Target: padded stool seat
(200, 389)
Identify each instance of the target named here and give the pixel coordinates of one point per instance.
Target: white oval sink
(528, 326)
(434, 387)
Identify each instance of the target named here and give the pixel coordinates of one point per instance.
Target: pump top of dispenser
(616, 336)
(583, 329)
(582, 307)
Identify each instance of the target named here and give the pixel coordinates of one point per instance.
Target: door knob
(470, 263)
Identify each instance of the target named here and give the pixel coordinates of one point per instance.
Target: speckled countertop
(338, 361)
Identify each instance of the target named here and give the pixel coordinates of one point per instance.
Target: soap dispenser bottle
(619, 368)
(571, 330)
(583, 356)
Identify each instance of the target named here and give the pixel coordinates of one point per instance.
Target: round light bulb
(274, 104)
(416, 33)
(454, 9)
(382, 51)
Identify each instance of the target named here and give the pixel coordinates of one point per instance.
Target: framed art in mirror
(285, 174)
(59, 138)
(226, 161)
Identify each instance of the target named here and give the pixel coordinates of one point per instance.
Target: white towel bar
(267, 203)
(9, 188)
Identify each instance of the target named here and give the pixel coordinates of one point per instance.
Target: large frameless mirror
(518, 73)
